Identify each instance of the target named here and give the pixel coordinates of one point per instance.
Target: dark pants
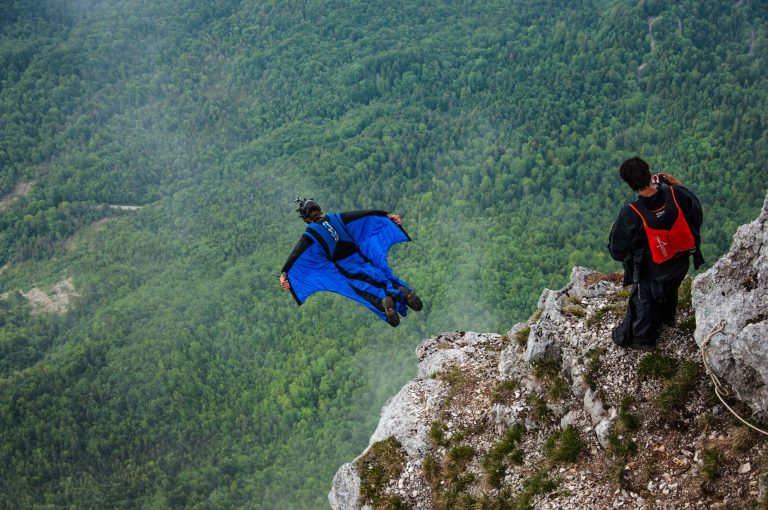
(650, 304)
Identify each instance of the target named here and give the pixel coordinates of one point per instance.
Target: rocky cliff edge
(553, 415)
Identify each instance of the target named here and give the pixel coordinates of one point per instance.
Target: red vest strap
(639, 214)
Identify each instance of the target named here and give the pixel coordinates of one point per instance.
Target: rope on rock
(720, 390)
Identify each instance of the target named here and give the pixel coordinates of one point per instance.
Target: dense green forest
(182, 377)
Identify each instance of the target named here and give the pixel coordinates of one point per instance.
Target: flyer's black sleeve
(304, 243)
(349, 216)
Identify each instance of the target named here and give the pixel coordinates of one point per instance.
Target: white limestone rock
(345, 490)
(544, 340)
(735, 291)
(409, 414)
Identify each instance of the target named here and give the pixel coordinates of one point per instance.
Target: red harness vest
(665, 240)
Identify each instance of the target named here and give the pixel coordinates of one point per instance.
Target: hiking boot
(642, 347)
(411, 299)
(393, 319)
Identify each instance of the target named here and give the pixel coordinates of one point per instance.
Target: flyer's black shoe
(393, 319)
(642, 347)
(411, 299)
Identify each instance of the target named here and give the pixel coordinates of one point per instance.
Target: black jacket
(629, 244)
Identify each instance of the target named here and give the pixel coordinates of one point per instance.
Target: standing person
(653, 237)
(346, 253)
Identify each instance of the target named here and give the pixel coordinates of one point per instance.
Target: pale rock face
(510, 364)
(543, 342)
(582, 284)
(346, 488)
(602, 419)
(735, 291)
(546, 334)
(409, 415)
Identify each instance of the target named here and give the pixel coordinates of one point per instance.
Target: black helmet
(306, 206)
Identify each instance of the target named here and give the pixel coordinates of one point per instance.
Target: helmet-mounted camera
(306, 206)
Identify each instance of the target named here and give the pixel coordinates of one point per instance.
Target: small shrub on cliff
(576, 311)
(539, 410)
(710, 469)
(596, 319)
(564, 445)
(621, 295)
(521, 337)
(548, 371)
(628, 421)
(657, 366)
(742, 439)
(557, 389)
(622, 449)
(431, 469)
(676, 391)
(450, 479)
(539, 483)
(504, 391)
(573, 300)
(383, 462)
(437, 433)
(546, 368)
(456, 380)
(502, 455)
(594, 362)
(684, 294)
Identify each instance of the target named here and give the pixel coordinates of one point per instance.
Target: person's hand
(395, 218)
(673, 181)
(284, 281)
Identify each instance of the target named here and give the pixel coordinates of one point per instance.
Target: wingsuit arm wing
(375, 234)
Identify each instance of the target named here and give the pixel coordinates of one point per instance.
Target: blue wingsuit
(346, 253)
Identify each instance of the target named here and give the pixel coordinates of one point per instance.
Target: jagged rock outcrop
(553, 415)
(735, 292)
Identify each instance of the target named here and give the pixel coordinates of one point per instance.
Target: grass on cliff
(677, 390)
(548, 371)
(564, 445)
(537, 484)
(450, 479)
(502, 455)
(621, 448)
(594, 363)
(711, 468)
(504, 391)
(384, 461)
(521, 337)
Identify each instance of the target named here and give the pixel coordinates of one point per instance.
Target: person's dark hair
(307, 206)
(636, 173)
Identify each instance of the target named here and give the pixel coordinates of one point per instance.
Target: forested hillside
(182, 377)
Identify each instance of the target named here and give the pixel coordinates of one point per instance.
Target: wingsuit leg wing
(312, 272)
(375, 235)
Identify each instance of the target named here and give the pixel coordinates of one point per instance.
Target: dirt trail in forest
(125, 207)
(651, 21)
